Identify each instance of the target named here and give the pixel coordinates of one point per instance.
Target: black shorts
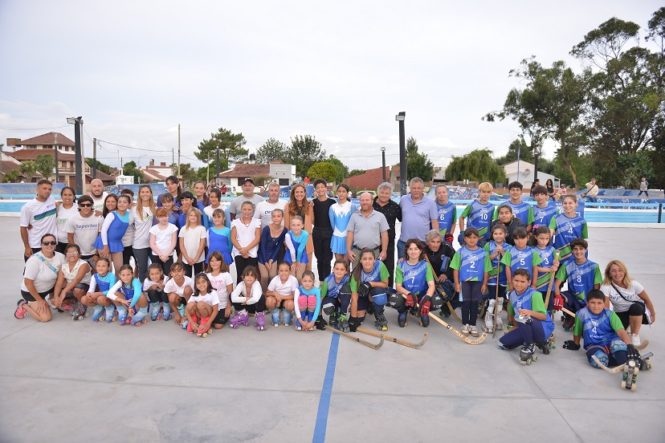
(29, 298)
(220, 318)
(127, 253)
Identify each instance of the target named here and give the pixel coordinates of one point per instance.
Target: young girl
(222, 282)
(215, 196)
(521, 256)
(245, 236)
(173, 190)
(308, 304)
(336, 296)
(527, 311)
(505, 217)
(248, 297)
(549, 263)
(192, 238)
(202, 201)
(73, 280)
(414, 279)
(153, 286)
(100, 283)
(187, 203)
(114, 227)
(281, 291)
(271, 247)
(178, 289)
(128, 236)
(168, 203)
(219, 237)
(143, 214)
(471, 266)
(110, 205)
(298, 205)
(202, 307)
(496, 283)
(127, 294)
(65, 211)
(340, 214)
(567, 227)
(369, 285)
(296, 256)
(163, 239)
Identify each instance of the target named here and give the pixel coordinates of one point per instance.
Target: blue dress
(219, 239)
(300, 245)
(339, 215)
(116, 230)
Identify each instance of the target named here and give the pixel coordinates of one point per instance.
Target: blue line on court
(326, 393)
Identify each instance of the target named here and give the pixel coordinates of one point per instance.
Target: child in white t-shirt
(154, 286)
(222, 282)
(280, 293)
(178, 289)
(202, 307)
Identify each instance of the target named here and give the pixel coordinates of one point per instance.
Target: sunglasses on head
(49, 243)
(85, 205)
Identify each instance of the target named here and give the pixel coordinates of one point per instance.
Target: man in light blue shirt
(419, 215)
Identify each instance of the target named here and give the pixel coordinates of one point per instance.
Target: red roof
(48, 139)
(370, 179)
(103, 176)
(152, 175)
(31, 154)
(6, 166)
(243, 170)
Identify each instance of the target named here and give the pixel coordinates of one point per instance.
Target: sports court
(77, 382)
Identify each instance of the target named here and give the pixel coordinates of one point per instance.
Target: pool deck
(75, 382)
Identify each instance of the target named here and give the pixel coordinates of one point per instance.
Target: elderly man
(98, 195)
(264, 208)
(367, 229)
(247, 195)
(392, 212)
(38, 218)
(419, 214)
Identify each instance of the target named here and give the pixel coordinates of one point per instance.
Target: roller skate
(139, 317)
(424, 321)
(166, 312)
(122, 316)
(203, 332)
(238, 319)
(343, 323)
(79, 312)
(275, 317)
(109, 312)
(286, 315)
(320, 323)
(401, 319)
(97, 313)
(298, 325)
(381, 323)
(527, 354)
(629, 376)
(260, 321)
(154, 311)
(544, 347)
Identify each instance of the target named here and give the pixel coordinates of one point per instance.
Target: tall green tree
(28, 168)
(271, 150)
(99, 165)
(230, 144)
(130, 168)
(342, 171)
(44, 164)
(325, 170)
(525, 152)
(417, 163)
(305, 150)
(478, 165)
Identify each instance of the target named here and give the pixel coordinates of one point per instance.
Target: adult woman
(65, 211)
(143, 214)
(214, 197)
(299, 205)
(39, 277)
(550, 188)
(172, 187)
(73, 280)
(245, 236)
(628, 298)
(202, 200)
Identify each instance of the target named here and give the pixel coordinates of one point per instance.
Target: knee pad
(437, 301)
(311, 303)
(618, 345)
(302, 302)
(396, 301)
(328, 308)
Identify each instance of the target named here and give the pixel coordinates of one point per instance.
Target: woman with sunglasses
(83, 227)
(41, 273)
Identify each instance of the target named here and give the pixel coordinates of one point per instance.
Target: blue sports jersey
(567, 229)
(597, 329)
(524, 301)
(415, 276)
(132, 292)
(521, 259)
(480, 217)
(447, 215)
(520, 211)
(546, 261)
(543, 216)
(473, 264)
(490, 248)
(581, 278)
(104, 283)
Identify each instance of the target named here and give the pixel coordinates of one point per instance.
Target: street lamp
(77, 122)
(402, 153)
(383, 162)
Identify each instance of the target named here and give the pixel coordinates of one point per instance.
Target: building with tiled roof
(369, 180)
(283, 173)
(156, 172)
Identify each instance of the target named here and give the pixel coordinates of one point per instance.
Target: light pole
(77, 122)
(402, 153)
(383, 162)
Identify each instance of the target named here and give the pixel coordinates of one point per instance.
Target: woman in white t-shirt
(628, 298)
(66, 209)
(192, 238)
(163, 238)
(245, 236)
(73, 282)
(202, 307)
(222, 282)
(143, 214)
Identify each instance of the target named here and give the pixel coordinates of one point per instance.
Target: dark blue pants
(524, 334)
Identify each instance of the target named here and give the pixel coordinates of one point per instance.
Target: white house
(526, 174)
(283, 173)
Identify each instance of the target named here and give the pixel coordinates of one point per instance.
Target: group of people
(79, 254)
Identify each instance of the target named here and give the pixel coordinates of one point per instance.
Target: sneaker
(474, 331)
(465, 329)
(320, 324)
(20, 311)
(502, 347)
(635, 338)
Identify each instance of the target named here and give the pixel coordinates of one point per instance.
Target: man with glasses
(38, 218)
(82, 228)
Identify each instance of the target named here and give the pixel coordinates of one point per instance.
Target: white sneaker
(465, 329)
(636, 339)
(474, 331)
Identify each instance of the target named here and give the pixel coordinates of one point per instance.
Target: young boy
(549, 262)
(544, 210)
(471, 266)
(521, 256)
(479, 213)
(526, 310)
(506, 217)
(603, 333)
(567, 227)
(447, 213)
(522, 210)
(583, 276)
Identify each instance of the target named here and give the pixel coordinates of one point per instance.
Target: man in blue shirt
(419, 215)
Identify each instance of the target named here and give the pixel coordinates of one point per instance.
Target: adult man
(392, 212)
(418, 214)
(322, 229)
(591, 191)
(40, 215)
(247, 195)
(98, 195)
(367, 229)
(264, 208)
(82, 228)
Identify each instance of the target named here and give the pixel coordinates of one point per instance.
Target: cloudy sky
(339, 71)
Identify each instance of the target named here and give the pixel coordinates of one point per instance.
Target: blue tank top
(219, 240)
(415, 276)
(104, 283)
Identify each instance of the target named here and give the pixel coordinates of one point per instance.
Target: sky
(339, 71)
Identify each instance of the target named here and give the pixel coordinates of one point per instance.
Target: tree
(342, 169)
(188, 174)
(305, 150)
(355, 172)
(12, 176)
(44, 164)
(271, 150)
(417, 164)
(524, 150)
(131, 169)
(28, 168)
(325, 170)
(230, 147)
(478, 165)
(99, 165)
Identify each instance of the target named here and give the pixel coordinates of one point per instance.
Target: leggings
(524, 334)
(259, 306)
(470, 297)
(196, 267)
(321, 239)
(157, 296)
(141, 259)
(242, 263)
(166, 266)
